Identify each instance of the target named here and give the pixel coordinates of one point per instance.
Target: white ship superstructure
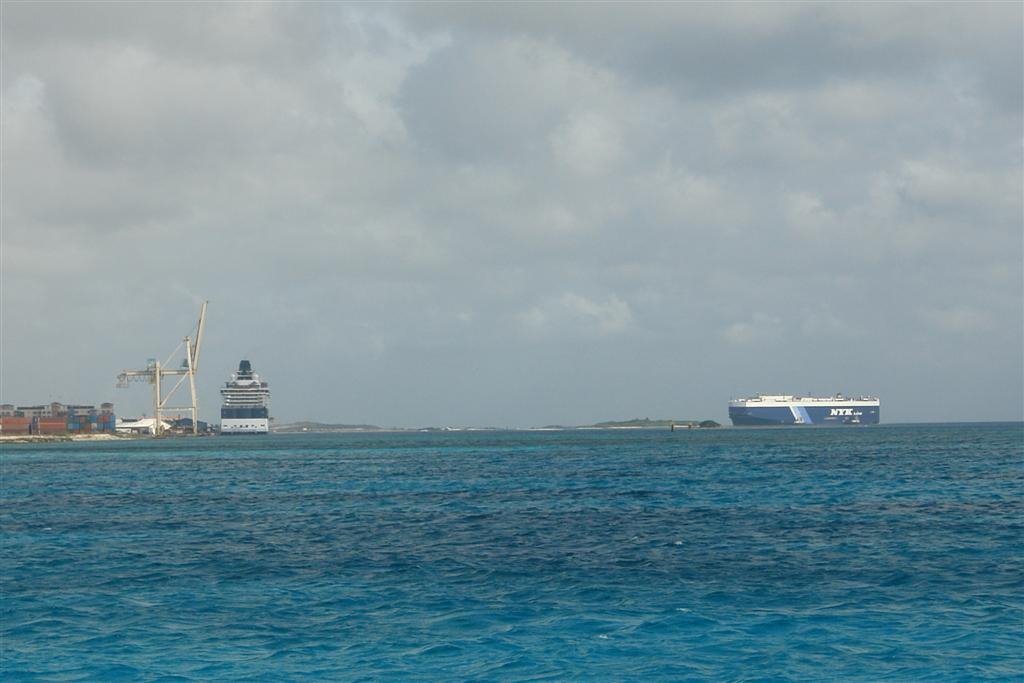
(245, 398)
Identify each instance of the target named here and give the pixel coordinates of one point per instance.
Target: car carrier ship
(766, 410)
(244, 410)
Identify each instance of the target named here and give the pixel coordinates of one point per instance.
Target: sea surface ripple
(876, 553)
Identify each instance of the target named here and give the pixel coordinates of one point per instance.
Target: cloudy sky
(517, 214)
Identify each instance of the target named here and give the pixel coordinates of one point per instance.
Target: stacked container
(51, 425)
(105, 422)
(15, 425)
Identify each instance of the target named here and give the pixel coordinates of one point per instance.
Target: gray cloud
(518, 214)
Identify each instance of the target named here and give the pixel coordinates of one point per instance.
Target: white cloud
(588, 143)
(937, 186)
(370, 80)
(808, 216)
(576, 314)
(696, 201)
(958, 319)
(760, 328)
(822, 321)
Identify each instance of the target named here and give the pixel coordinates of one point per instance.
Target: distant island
(640, 423)
(636, 423)
(327, 427)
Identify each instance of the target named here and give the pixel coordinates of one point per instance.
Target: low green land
(647, 422)
(326, 427)
(637, 423)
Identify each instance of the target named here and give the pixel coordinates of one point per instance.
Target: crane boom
(155, 372)
(199, 337)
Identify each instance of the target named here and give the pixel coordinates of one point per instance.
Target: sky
(517, 214)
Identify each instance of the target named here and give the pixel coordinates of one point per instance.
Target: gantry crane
(154, 373)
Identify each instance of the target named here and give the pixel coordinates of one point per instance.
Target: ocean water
(876, 553)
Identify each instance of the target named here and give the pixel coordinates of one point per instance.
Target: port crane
(155, 372)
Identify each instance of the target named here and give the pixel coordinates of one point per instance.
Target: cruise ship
(764, 410)
(244, 408)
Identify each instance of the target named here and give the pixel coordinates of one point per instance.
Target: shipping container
(15, 425)
(15, 430)
(50, 428)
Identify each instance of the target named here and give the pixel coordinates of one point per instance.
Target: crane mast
(155, 372)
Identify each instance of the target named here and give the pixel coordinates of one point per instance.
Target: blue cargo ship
(766, 410)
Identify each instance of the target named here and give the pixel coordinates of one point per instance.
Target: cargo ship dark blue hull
(762, 411)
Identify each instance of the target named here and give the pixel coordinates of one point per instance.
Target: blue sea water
(875, 553)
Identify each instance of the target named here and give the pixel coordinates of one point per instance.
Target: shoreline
(60, 438)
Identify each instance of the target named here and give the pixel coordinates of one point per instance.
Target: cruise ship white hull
(244, 410)
(247, 425)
